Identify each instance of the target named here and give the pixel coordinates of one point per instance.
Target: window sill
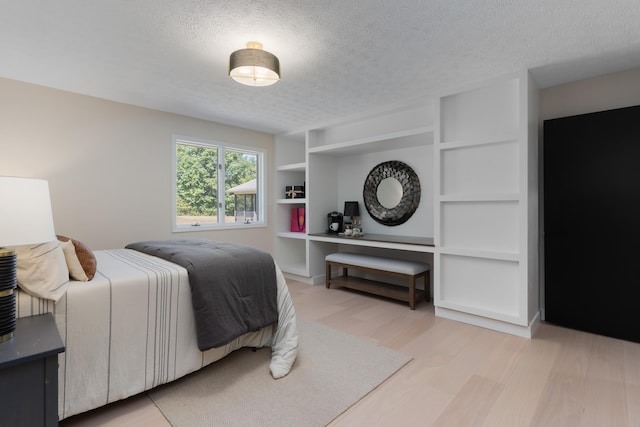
(217, 227)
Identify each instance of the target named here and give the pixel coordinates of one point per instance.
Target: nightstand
(29, 373)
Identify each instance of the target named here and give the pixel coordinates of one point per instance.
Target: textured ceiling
(338, 58)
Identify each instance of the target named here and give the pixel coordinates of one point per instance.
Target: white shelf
(451, 145)
(503, 256)
(291, 201)
(294, 167)
(395, 140)
(488, 197)
(291, 235)
(355, 241)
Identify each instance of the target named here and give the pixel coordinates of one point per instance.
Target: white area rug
(332, 372)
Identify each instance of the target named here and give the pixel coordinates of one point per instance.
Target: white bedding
(132, 328)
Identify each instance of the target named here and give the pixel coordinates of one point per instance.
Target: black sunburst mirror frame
(410, 193)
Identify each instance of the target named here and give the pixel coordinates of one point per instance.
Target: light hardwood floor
(460, 375)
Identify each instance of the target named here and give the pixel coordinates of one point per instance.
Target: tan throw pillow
(73, 263)
(42, 270)
(85, 256)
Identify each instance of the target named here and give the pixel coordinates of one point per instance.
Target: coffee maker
(335, 222)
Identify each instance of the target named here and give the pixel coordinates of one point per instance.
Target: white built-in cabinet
(290, 169)
(334, 161)
(475, 153)
(486, 233)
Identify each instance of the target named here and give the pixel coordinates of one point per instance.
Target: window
(216, 185)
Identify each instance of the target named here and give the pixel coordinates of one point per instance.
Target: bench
(409, 270)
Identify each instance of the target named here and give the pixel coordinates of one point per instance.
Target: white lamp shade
(25, 212)
(254, 76)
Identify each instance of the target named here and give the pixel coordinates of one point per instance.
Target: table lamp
(352, 210)
(25, 218)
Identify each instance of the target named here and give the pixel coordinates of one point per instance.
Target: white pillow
(42, 270)
(73, 263)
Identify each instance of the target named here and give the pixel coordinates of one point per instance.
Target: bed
(131, 328)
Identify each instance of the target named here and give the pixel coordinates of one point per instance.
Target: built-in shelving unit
(485, 269)
(475, 153)
(291, 169)
(337, 159)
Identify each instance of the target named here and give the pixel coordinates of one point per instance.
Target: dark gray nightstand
(29, 373)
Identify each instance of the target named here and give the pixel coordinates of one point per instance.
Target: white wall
(616, 90)
(109, 164)
(353, 172)
(607, 92)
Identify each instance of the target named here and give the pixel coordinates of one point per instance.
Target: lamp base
(8, 283)
(6, 337)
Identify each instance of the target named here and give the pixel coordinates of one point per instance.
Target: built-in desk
(386, 241)
(384, 265)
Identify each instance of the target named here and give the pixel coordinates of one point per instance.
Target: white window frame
(261, 155)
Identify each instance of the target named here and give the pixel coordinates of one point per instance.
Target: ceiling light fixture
(253, 66)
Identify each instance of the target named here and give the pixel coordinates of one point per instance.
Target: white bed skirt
(132, 328)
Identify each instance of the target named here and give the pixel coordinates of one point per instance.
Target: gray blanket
(233, 287)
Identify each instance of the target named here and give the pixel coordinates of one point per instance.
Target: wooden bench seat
(409, 270)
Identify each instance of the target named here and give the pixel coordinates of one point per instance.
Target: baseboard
(308, 280)
(496, 325)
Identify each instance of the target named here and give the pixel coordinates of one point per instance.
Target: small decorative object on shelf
(352, 210)
(298, 223)
(294, 192)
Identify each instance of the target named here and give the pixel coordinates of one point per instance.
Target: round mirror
(389, 193)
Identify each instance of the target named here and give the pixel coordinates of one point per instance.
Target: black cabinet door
(592, 222)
